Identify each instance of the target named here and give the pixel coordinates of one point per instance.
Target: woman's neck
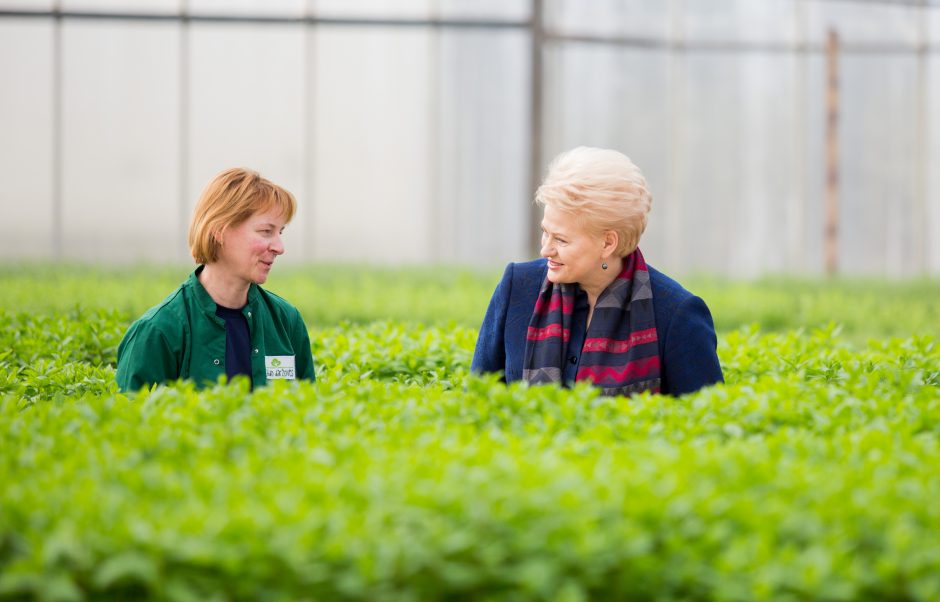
(595, 287)
(225, 290)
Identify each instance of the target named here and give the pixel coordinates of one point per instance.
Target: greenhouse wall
(405, 128)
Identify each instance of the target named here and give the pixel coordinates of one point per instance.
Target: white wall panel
(815, 166)
(120, 175)
(123, 6)
(373, 151)
(411, 144)
(276, 8)
(712, 156)
(246, 95)
(482, 198)
(644, 18)
(26, 142)
(484, 9)
(401, 9)
(932, 192)
(877, 191)
(875, 22)
(32, 5)
(766, 172)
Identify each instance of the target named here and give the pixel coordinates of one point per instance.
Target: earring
(604, 266)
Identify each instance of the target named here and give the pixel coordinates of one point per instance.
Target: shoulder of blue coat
(665, 289)
(528, 271)
(526, 267)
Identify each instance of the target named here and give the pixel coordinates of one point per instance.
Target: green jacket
(182, 338)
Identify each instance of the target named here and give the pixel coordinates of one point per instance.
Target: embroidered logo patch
(279, 366)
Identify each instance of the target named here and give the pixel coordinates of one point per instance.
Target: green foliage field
(329, 294)
(812, 474)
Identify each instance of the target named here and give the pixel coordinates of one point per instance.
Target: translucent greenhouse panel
(711, 155)
(26, 153)
(30, 5)
(268, 8)
(247, 109)
(373, 156)
(768, 172)
(932, 191)
(484, 9)
(877, 144)
(767, 21)
(868, 22)
(123, 6)
(376, 9)
(642, 18)
(709, 19)
(728, 21)
(120, 174)
(482, 199)
(814, 144)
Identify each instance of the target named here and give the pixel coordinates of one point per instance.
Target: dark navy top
(237, 342)
(687, 340)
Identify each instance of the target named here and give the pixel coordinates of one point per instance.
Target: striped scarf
(621, 349)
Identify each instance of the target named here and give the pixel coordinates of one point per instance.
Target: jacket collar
(205, 301)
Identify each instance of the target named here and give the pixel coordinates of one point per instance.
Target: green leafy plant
(809, 475)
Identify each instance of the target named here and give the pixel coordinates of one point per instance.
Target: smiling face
(249, 249)
(574, 254)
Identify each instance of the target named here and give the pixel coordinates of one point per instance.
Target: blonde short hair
(603, 189)
(230, 198)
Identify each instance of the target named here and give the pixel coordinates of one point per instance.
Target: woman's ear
(611, 240)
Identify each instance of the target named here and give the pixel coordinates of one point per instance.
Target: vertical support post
(57, 138)
(183, 150)
(537, 29)
(831, 245)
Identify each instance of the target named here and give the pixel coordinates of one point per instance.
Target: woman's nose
(277, 245)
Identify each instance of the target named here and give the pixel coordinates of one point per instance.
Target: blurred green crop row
(811, 474)
(329, 294)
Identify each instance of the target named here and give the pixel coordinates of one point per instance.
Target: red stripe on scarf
(613, 346)
(552, 330)
(555, 302)
(633, 370)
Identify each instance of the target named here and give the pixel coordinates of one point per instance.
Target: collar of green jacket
(207, 305)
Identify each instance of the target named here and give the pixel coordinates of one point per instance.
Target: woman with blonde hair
(220, 322)
(592, 309)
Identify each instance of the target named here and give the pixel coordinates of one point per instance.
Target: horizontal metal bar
(269, 19)
(905, 3)
(549, 36)
(735, 45)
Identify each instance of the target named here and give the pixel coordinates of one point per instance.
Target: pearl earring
(604, 266)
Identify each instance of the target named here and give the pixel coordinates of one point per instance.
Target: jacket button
(573, 359)
(256, 352)
(216, 362)
(249, 314)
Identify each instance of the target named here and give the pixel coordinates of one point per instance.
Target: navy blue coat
(684, 327)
